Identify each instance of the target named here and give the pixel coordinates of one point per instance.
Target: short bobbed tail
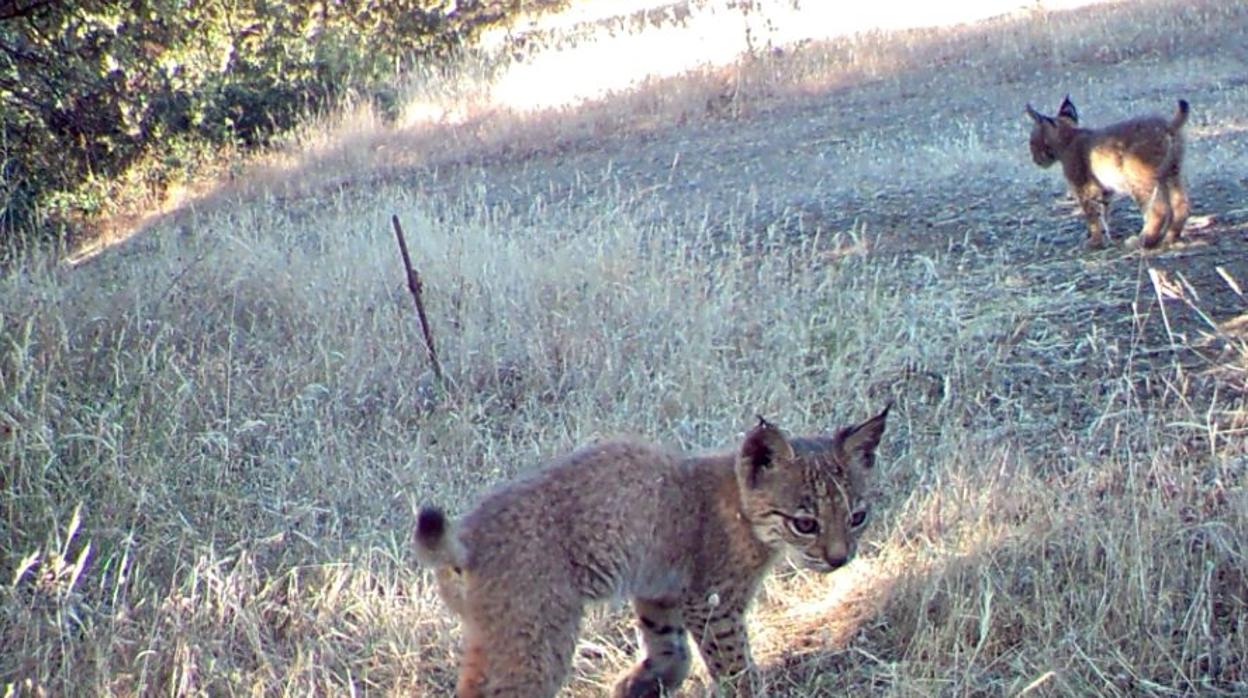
(435, 539)
(1180, 116)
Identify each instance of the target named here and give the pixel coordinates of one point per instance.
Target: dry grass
(213, 438)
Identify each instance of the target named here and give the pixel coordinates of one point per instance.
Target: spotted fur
(688, 538)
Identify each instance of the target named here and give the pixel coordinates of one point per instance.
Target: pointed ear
(1035, 115)
(764, 447)
(857, 443)
(1068, 111)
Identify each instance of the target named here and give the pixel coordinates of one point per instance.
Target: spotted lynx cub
(688, 538)
(1141, 157)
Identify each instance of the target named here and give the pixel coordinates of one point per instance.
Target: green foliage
(88, 88)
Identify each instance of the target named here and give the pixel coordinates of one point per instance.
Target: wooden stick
(414, 285)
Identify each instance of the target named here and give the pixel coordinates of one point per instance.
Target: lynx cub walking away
(688, 538)
(1141, 157)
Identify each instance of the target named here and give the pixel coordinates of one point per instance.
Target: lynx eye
(858, 518)
(804, 525)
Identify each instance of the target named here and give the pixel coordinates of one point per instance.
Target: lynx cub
(688, 538)
(1141, 157)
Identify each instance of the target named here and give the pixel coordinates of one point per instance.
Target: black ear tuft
(1067, 110)
(430, 525)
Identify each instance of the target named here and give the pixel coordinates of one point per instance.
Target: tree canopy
(88, 87)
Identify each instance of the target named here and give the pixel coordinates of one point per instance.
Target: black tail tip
(430, 524)
(1184, 106)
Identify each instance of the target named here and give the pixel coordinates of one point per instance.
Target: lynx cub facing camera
(688, 538)
(1141, 157)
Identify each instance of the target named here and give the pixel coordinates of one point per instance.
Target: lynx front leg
(725, 647)
(666, 661)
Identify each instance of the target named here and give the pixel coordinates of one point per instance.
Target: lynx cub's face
(808, 495)
(689, 538)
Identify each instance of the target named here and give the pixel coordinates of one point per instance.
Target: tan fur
(688, 538)
(1142, 157)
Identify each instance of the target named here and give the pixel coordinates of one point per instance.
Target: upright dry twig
(414, 285)
(1165, 289)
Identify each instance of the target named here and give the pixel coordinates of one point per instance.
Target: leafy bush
(88, 88)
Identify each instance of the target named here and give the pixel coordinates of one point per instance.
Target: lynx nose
(835, 561)
(835, 554)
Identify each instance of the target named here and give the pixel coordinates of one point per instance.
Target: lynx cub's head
(1047, 132)
(809, 495)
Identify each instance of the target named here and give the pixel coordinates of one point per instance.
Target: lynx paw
(1138, 242)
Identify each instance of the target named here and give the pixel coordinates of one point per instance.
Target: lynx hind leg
(666, 662)
(725, 647)
(1180, 209)
(506, 656)
(1094, 203)
(473, 666)
(1155, 205)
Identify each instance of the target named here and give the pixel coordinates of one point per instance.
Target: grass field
(214, 435)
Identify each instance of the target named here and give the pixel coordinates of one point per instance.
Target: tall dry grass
(213, 439)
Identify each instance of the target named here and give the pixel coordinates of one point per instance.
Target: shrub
(89, 88)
